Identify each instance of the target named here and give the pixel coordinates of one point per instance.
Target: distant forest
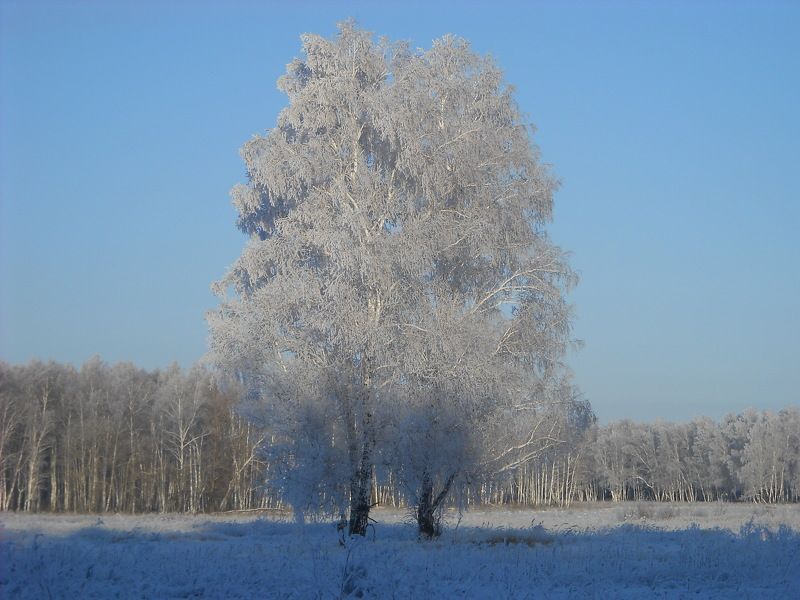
(116, 438)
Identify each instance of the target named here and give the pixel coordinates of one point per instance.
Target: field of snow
(595, 551)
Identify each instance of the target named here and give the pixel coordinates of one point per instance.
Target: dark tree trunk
(360, 488)
(359, 509)
(426, 518)
(361, 484)
(429, 522)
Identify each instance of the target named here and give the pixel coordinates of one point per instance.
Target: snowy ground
(596, 551)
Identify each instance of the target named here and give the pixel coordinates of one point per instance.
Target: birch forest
(116, 438)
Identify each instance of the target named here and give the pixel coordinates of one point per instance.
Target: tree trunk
(360, 492)
(429, 523)
(426, 518)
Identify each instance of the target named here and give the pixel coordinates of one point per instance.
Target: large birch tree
(398, 274)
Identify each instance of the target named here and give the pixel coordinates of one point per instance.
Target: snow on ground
(594, 551)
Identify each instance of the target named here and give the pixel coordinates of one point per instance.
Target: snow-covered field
(596, 551)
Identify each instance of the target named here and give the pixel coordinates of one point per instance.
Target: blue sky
(674, 128)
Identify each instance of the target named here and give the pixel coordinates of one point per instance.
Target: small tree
(397, 258)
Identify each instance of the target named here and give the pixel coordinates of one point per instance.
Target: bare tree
(10, 423)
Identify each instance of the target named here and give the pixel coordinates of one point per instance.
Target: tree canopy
(398, 278)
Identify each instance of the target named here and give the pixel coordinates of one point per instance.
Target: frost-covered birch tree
(398, 278)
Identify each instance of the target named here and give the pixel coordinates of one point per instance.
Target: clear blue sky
(675, 128)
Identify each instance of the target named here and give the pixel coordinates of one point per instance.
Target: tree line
(748, 456)
(116, 438)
